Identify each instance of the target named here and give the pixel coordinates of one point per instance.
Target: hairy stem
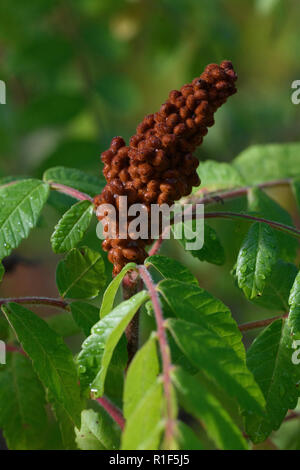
(61, 188)
(260, 323)
(231, 194)
(56, 303)
(113, 411)
(238, 192)
(165, 354)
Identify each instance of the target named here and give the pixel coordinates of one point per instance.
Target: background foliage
(80, 72)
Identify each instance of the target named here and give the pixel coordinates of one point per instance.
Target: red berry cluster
(158, 165)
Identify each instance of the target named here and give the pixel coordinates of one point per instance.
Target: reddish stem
(238, 192)
(113, 411)
(233, 193)
(56, 303)
(260, 323)
(165, 352)
(61, 188)
(11, 348)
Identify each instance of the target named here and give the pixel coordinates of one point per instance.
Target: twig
(260, 323)
(56, 303)
(11, 348)
(61, 188)
(165, 354)
(113, 411)
(230, 194)
(238, 192)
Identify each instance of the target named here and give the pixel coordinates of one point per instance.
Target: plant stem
(11, 348)
(113, 411)
(165, 354)
(230, 194)
(61, 188)
(260, 323)
(56, 303)
(233, 215)
(238, 192)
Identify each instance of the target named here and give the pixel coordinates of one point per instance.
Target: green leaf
(256, 258)
(294, 302)
(195, 305)
(141, 375)
(22, 412)
(260, 163)
(63, 324)
(213, 356)
(270, 360)
(81, 275)
(98, 431)
(72, 227)
(144, 427)
(197, 401)
(74, 178)
(2, 271)
(212, 250)
(215, 176)
(187, 439)
(296, 190)
(85, 315)
(277, 288)
(98, 348)
(20, 207)
(262, 204)
(111, 290)
(171, 269)
(52, 360)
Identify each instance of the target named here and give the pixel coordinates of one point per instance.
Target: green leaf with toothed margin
(75, 178)
(270, 358)
(260, 163)
(22, 413)
(200, 403)
(218, 175)
(263, 205)
(256, 258)
(81, 275)
(98, 348)
(72, 227)
(294, 302)
(212, 355)
(171, 269)
(51, 358)
(20, 207)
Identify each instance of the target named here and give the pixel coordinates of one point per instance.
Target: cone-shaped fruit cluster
(158, 165)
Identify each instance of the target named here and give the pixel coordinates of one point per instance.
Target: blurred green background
(80, 72)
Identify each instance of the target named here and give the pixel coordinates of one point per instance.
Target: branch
(233, 215)
(165, 353)
(113, 411)
(223, 195)
(56, 303)
(61, 188)
(260, 323)
(238, 192)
